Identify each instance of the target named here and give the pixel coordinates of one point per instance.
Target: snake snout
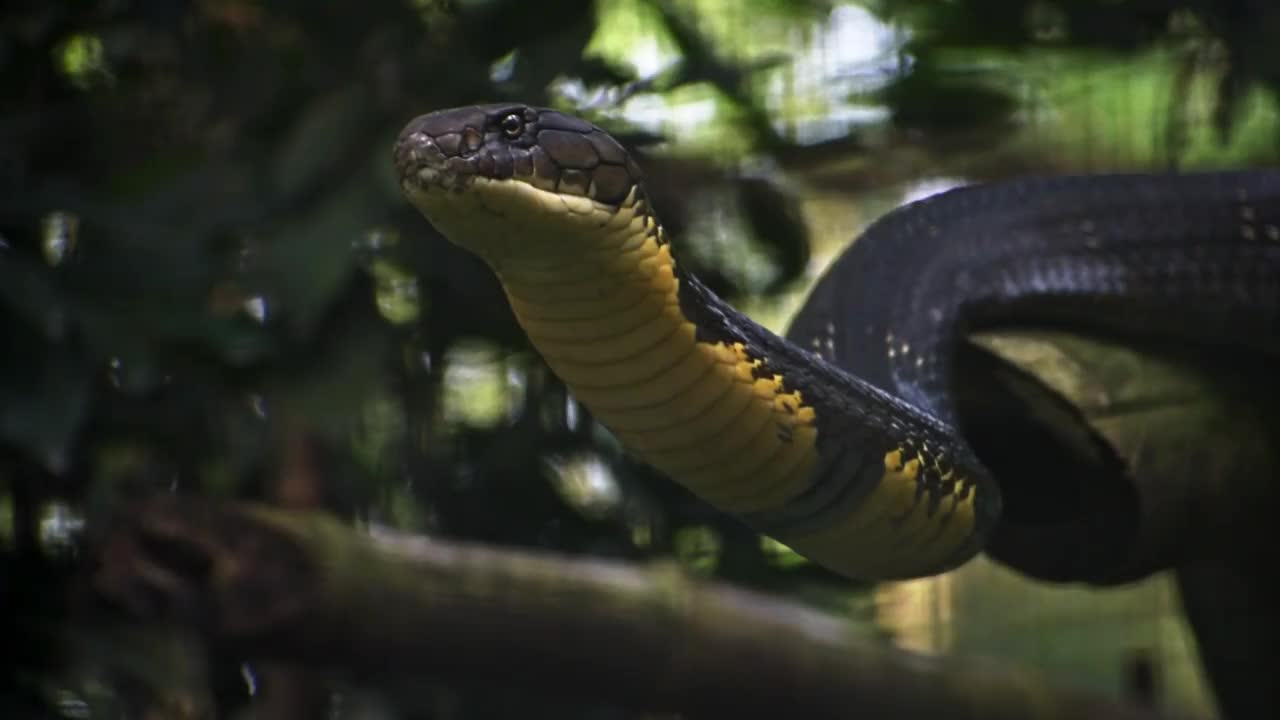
(446, 162)
(441, 148)
(414, 151)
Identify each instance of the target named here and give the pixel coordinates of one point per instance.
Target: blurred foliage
(210, 285)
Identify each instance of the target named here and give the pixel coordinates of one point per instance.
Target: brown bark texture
(302, 587)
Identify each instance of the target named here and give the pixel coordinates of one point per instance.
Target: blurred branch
(302, 587)
(701, 61)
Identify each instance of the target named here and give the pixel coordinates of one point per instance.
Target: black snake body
(839, 440)
(1193, 257)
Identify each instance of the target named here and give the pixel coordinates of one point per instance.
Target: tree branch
(304, 588)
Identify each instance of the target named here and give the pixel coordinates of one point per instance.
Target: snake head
(486, 174)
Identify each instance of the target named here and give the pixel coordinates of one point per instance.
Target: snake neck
(749, 422)
(610, 323)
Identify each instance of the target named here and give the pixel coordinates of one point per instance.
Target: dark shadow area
(1070, 509)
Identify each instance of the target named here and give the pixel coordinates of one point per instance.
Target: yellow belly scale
(609, 323)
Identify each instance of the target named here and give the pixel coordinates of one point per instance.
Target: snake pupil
(512, 125)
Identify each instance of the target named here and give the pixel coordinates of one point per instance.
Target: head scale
(496, 178)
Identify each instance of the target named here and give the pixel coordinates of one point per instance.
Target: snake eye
(512, 125)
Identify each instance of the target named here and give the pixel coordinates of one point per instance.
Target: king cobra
(839, 440)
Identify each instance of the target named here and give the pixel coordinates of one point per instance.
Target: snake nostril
(472, 140)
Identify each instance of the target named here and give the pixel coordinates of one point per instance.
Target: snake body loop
(838, 440)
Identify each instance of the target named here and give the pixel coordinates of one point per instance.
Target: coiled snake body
(839, 440)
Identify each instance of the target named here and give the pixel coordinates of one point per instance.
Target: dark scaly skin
(853, 462)
(1191, 257)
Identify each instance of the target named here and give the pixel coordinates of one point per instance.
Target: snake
(838, 439)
